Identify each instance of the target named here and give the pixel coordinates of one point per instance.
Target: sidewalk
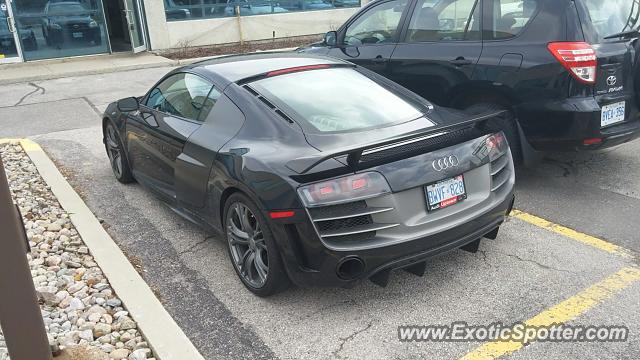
(58, 68)
(88, 65)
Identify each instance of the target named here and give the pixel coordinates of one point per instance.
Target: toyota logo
(445, 163)
(612, 80)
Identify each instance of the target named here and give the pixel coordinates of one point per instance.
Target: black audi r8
(318, 172)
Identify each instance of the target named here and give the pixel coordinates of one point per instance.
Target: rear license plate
(445, 193)
(612, 113)
(77, 35)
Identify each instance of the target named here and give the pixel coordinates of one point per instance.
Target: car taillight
(344, 189)
(496, 144)
(577, 57)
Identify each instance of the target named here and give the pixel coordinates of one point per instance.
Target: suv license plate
(445, 193)
(612, 113)
(77, 35)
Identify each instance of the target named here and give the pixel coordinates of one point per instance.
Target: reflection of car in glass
(252, 7)
(317, 171)
(173, 11)
(346, 3)
(305, 4)
(7, 42)
(69, 21)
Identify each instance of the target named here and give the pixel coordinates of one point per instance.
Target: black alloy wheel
(252, 250)
(117, 158)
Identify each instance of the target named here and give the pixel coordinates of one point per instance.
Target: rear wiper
(624, 34)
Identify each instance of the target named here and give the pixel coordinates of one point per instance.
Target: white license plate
(612, 113)
(445, 193)
(77, 35)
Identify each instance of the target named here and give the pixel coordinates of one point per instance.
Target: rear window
(336, 100)
(613, 16)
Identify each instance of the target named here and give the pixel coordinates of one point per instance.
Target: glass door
(135, 25)
(9, 45)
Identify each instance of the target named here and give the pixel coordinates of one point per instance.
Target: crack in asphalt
(92, 105)
(345, 340)
(543, 266)
(484, 257)
(350, 302)
(37, 88)
(192, 247)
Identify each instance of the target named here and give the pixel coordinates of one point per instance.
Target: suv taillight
(577, 57)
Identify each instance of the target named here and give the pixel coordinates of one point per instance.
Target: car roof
(238, 67)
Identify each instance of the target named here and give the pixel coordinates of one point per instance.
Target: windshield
(62, 8)
(613, 16)
(338, 99)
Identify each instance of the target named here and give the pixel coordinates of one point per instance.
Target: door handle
(379, 60)
(127, 15)
(461, 61)
(12, 28)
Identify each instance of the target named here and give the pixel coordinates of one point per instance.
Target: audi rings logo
(445, 163)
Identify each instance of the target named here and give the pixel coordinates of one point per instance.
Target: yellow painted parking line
(565, 311)
(572, 234)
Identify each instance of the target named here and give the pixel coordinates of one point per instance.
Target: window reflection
(198, 9)
(60, 28)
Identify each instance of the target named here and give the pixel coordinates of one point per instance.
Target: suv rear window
(336, 100)
(613, 16)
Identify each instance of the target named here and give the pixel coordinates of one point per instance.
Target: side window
(445, 20)
(183, 95)
(208, 103)
(510, 17)
(378, 25)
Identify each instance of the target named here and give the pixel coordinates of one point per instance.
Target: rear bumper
(564, 125)
(309, 263)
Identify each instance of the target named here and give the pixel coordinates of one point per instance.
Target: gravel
(78, 306)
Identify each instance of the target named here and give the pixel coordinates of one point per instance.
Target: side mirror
(128, 104)
(331, 38)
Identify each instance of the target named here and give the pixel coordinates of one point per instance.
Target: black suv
(565, 69)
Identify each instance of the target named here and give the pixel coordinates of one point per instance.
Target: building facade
(46, 29)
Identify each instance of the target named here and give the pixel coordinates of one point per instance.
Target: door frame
(143, 28)
(11, 22)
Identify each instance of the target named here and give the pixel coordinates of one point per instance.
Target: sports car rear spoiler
(305, 164)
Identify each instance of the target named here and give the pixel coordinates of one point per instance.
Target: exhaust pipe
(350, 268)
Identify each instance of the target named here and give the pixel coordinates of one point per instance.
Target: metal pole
(20, 315)
(239, 25)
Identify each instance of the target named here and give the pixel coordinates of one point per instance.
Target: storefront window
(199, 9)
(60, 28)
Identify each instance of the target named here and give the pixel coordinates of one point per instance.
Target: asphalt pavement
(525, 272)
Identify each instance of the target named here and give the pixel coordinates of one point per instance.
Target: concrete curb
(165, 337)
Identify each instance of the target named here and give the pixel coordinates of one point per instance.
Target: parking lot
(575, 237)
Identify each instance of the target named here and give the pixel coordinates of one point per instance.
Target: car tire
(117, 156)
(507, 123)
(248, 253)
